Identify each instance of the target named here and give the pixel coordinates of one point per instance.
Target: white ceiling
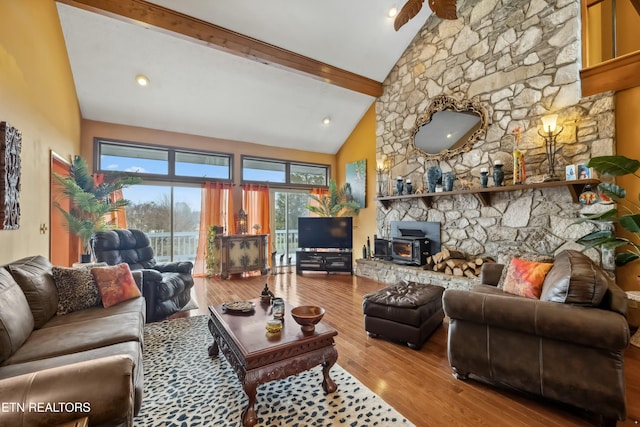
(200, 90)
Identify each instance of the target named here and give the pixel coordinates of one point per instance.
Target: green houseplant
(626, 213)
(337, 202)
(212, 260)
(89, 203)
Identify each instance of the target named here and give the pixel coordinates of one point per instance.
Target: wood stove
(411, 248)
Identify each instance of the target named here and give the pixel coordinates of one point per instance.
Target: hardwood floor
(419, 384)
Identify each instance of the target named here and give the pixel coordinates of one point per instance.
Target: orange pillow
(525, 278)
(115, 283)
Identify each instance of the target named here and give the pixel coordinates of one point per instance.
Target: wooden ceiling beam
(160, 18)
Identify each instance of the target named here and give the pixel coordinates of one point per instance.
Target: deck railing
(185, 244)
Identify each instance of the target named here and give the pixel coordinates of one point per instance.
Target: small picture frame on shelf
(570, 173)
(583, 172)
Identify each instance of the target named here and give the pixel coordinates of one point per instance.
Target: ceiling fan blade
(444, 9)
(408, 11)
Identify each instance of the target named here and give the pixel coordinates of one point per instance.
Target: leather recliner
(166, 286)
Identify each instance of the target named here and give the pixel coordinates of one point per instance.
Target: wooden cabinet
(329, 261)
(240, 253)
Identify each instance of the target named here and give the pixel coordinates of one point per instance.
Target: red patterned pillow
(525, 278)
(115, 283)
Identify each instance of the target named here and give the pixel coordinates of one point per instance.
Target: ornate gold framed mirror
(449, 127)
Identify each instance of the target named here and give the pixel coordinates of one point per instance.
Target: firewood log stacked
(456, 263)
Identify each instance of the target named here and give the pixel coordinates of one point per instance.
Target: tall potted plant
(626, 213)
(338, 202)
(89, 203)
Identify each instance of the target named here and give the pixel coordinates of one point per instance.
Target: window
(169, 215)
(202, 165)
(122, 158)
(154, 161)
(263, 170)
(288, 206)
(284, 172)
(308, 174)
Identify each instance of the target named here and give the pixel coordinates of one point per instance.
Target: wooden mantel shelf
(484, 194)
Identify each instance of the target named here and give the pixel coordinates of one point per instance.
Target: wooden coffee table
(258, 357)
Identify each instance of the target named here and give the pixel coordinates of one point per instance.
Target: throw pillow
(525, 278)
(16, 320)
(575, 279)
(526, 257)
(116, 284)
(41, 293)
(76, 289)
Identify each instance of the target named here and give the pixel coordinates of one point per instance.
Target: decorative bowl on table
(307, 316)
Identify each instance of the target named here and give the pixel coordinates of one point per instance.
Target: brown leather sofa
(58, 368)
(568, 346)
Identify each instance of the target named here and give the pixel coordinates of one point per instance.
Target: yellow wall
(627, 23)
(628, 144)
(92, 129)
(37, 96)
(361, 144)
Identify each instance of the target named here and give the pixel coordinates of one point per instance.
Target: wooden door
(64, 249)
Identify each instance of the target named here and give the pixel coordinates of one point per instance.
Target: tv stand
(327, 260)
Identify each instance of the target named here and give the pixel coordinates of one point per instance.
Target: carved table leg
(213, 348)
(328, 384)
(249, 416)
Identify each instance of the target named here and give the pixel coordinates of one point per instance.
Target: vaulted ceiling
(266, 72)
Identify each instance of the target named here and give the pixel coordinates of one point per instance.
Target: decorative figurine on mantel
(519, 169)
(484, 177)
(498, 173)
(399, 186)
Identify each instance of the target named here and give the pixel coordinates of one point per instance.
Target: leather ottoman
(406, 312)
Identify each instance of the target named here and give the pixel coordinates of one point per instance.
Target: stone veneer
(521, 59)
(390, 273)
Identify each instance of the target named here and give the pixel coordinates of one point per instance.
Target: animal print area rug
(183, 386)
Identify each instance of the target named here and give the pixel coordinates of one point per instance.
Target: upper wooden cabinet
(610, 46)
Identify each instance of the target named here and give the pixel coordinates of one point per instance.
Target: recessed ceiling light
(326, 120)
(142, 80)
(392, 12)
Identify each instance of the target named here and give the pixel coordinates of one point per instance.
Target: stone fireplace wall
(521, 59)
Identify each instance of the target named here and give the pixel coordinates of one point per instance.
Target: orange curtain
(117, 219)
(216, 209)
(255, 202)
(318, 192)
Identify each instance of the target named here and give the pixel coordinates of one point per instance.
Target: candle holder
(381, 171)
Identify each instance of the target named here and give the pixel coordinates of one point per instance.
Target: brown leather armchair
(166, 286)
(560, 347)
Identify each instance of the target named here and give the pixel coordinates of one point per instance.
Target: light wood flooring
(418, 384)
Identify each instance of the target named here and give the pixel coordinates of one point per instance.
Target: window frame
(171, 159)
(287, 163)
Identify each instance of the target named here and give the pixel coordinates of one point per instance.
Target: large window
(288, 206)
(283, 172)
(164, 163)
(169, 215)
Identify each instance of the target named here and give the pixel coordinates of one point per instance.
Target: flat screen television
(325, 232)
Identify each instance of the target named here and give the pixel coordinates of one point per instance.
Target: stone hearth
(389, 273)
